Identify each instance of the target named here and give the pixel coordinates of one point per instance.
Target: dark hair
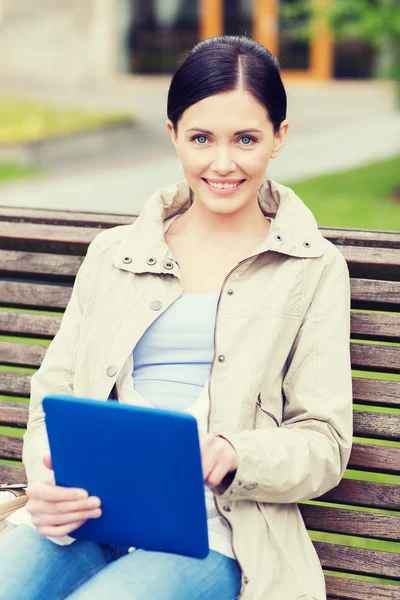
(226, 63)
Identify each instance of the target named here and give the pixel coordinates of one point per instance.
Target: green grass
(361, 198)
(10, 171)
(23, 120)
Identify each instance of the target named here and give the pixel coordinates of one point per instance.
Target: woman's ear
(171, 130)
(279, 138)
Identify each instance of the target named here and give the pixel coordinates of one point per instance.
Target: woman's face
(225, 143)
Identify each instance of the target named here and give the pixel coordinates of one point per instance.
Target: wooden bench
(40, 252)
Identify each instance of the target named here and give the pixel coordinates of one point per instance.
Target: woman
(237, 310)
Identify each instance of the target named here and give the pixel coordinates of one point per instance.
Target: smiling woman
(222, 299)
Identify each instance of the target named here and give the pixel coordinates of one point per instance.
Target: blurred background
(84, 86)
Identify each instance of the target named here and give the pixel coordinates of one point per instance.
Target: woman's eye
(246, 140)
(201, 139)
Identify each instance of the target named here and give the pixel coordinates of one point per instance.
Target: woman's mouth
(223, 188)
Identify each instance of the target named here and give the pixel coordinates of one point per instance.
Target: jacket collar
(143, 248)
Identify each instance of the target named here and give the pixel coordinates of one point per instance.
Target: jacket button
(250, 486)
(229, 292)
(246, 580)
(227, 508)
(151, 260)
(307, 244)
(169, 266)
(279, 238)
(221, 358)
(127, 260)
(155, 305)
(111, 370)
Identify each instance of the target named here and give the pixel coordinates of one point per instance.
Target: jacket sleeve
(307, 455)
(55, 375)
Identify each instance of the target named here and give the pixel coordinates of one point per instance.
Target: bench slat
(17, 264)
(376, 392)
(375, 294)
(63, 217)
(371, 326)
(350, 522)
(358, 561)
(372, 263)
(364, 294)
(12, 474)
(371, 357)
(376, 425)
(22, 355)
(15, 384)
(364, 493)
(14, 414)
(381, 327)
(10, 448)
(32, 295)
(339, 588)
(382, 459)
(341, 235)
(31, 325)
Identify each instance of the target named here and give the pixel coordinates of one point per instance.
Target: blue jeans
(35, 568)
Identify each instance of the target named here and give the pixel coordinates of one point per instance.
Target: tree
(374, 21)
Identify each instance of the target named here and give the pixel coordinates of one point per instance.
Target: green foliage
(9, 171)
(374, 21)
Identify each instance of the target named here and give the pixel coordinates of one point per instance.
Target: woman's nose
(222, 162)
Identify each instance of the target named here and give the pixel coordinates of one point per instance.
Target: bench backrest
(40, 253)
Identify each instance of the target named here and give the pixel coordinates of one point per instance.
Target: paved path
(334, 126)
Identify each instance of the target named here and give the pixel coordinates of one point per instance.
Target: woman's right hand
(55, 510)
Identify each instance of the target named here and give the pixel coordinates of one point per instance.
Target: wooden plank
(350, 522)
(339, 588)
(375, 326)
(376, 425)
(36, 264)
(14, 414)
(33, 295)
(368, 457)
(376, 238)
(13, 214)
(371, 294)
(376, 392)
(22, 355)
(371, 357)
(358, 561)
(12, 474)
(10, 447)
(15, 384)
(53, 239)
(339, 235)
(29, 325)
(364, 493)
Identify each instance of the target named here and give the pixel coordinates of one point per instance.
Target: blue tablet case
(143, 463)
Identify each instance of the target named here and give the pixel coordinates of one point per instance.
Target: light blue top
(172, 359)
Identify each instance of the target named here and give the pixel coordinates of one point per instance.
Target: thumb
(47, 461)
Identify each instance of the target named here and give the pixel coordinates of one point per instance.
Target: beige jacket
(280, 387)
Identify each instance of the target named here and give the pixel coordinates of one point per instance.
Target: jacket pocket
(264, 418)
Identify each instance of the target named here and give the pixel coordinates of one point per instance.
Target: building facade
(89, 41)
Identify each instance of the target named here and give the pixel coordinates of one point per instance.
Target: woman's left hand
(218, 458)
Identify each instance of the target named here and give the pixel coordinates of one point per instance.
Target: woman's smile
(223, 187)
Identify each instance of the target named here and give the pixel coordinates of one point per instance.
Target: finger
(36, 506)
(42, 490)
(217, 474)
(47, 461)
(209, 461)
(60, 531)
(65, 519)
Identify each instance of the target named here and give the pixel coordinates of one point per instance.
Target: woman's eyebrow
(236, 132)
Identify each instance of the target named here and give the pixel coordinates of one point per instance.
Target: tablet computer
(143, 463)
